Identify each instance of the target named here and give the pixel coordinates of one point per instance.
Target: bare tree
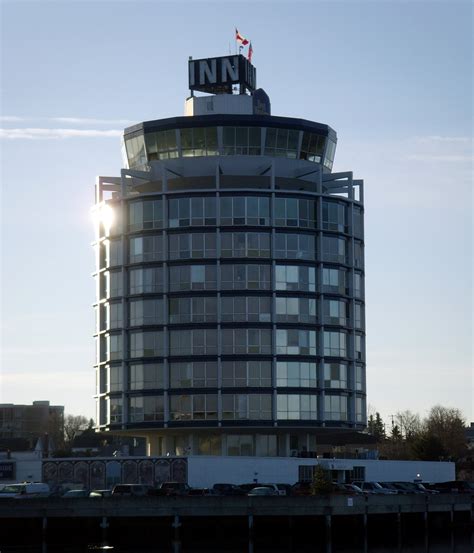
(74, 425)
(409, 424)
(448, 425)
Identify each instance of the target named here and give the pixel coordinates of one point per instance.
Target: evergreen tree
(321, 483)
(376, 427)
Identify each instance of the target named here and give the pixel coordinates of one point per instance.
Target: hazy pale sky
(393, 78)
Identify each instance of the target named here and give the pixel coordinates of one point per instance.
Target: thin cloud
(441, 157)
(438, 138)
(69, 120)
(11, 118)
(48, 134)
(86, 121)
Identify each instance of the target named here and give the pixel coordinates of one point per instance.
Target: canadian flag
(240, 38)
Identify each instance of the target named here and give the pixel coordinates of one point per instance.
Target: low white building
(20, 466)
(205, 471)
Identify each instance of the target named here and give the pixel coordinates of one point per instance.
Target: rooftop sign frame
(219, 75)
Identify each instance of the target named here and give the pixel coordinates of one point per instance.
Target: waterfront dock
(288, 522)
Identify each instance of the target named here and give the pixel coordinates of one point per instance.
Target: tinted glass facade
(230, 308)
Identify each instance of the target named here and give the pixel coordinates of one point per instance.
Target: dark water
(449, 544)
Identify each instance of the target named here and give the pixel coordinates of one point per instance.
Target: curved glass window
(146, 408)
(246, 406)
(358, 283)
(334, 280)
(358, 315)
(191, 246)
(360, 409)
(200, 141)
(295, 310)
(186, 212)
(241, 141)
(240, 374)
(193, 310)
(240, 444)
(359, 346)
(146, 344)
(243, 277)
(246, 340)
(295, 246)
(146, 248)
(114, 315)
(298, 374)
(236, 140)
(334, 249)
(245, 244)
(250, 308)
(193, 374)
(198, 341)
(295, 278)
(136, 151)
(334, 216)
(241, 210)
(113, 284)
(295, 342)
(335, 344)
(295, 212)
(146, 280)
(114, 347)
(160, 145)
(282, 143)
(335, 375)
(357, 222)
(329, 157)
(359, 377)
(145, 215)
(312, 147)
(336, 312)
(113, 252)
(146, 376)
(335, 408)
(115, 383)
(115, 410)
(193, 407)
(297, 407)
(193, 277)
(146, 312)
(358, 254)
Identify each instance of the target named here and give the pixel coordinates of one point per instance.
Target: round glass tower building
(230, 279)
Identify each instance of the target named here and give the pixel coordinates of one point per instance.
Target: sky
(393, 78)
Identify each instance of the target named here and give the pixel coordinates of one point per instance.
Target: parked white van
(25, 490)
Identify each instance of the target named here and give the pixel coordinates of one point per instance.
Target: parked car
(454, 486)
(301, 488)
(228, 489)
(262, 491)
(249, 486)
(100, 493)
(407, 488)
(129, 490)
(25, 490)
(373, 488)
(346, 489)
(202, 492)
(75, 493)
(284, 489)
(173, 488)
(425, 489)
(389, 486)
